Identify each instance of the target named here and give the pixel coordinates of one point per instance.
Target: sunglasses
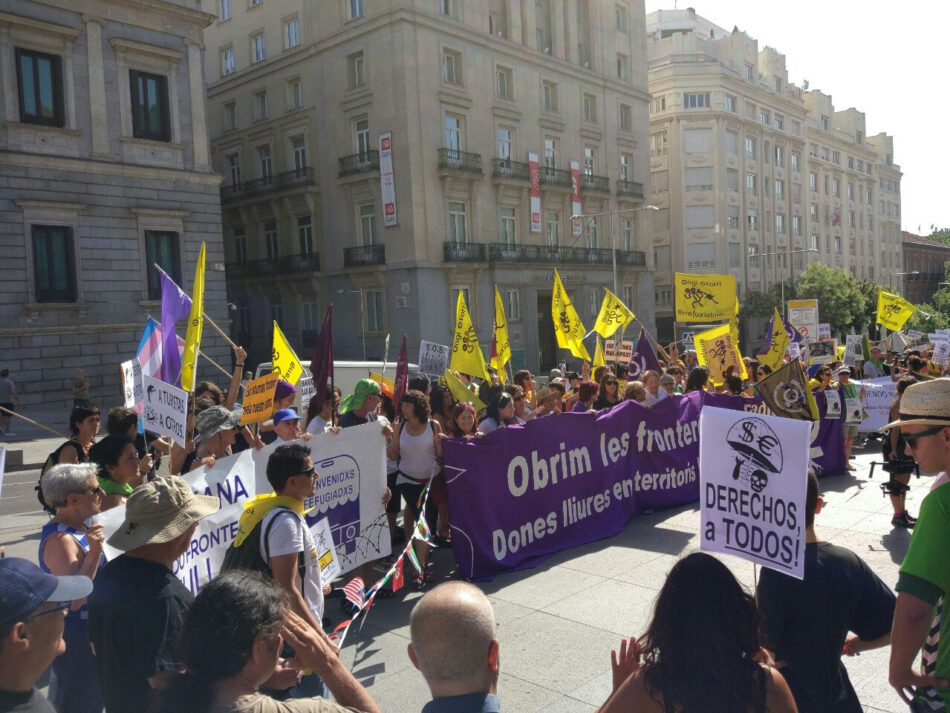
(911, 438)
(92, 491)
(310, 472)
(612, 383)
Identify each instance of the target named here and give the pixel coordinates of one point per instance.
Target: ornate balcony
(555, 177)
(631, 258)
(364, 255)
(506, 168)
(455, 160)
(296, 178)
(629, 188)
(502, 252)
(363, 162)
(599, 184)
(464, 252)
(276, 266)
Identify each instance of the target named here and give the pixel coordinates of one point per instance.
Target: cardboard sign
(133, 391)
(822, 352)
(611, 353)
(259, 398)
(433, 358)
(803, 314)
(940, 353)
(165, 409)
(755, 507)
(824, 331)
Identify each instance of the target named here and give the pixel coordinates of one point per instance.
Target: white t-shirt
(290, 534)
(488, 425)
(317, 426)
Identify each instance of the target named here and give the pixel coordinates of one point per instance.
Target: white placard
(794, 350)
(878, 395)
(940, 353)
(935, 338)
(326, 551)
(307, 391)
(833, 401)
(824, 331)
(387, 180)
(433, 358)
(822, 352)
(133, 391)
(851, 348)
(803, 315)
(852, 410)
(753, 475)
(945, 333)
(166, 409)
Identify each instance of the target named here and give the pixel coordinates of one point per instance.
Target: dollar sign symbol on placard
(748, 432)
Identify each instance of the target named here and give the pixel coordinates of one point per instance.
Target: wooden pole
(207, 318)
(215, 364)
(30, 420)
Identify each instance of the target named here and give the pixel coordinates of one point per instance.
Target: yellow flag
(567, 325)
(189, 361)
(716, 349)
(614, 315)
(893, 310)
(460, 392)
(502, 354)
(283, 359)
(466, 354)
(774, 354)
(599, 354)
(704, 298)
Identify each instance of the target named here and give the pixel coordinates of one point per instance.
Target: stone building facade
(105, 170)
(301, 94)
(924, 269)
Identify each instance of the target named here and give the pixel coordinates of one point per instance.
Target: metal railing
(555, 177)
(463, 252)
(364, 255)
(631, 258)
(455, 160)
(268, 184)
(356, 163)
(506, 168)
(600, 184)
(268, 266)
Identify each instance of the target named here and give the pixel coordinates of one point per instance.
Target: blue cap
(285, 414)
(24, 586)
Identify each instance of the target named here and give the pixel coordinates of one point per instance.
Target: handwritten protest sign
(133, 391)
(611, 353)
(940, 353)
(824, 331)
(433, 358)
(306, 389)
(754, 509)
(259, 398)
(878, 395)
(166, 409)
(851, 348)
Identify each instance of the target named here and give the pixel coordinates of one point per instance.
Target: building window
(590, 156)
(732, 179)
(732, 217)
(824, 123)
(354, 9)
(851, 191)
(227, 61)
(361, 134)
(779, 223)
(291, 33)
(457, 233)
(507, 226)
(626, 235)
(504, 143)
(271, 241)
(813, 180)
(276, 310)
(796, 161)
(513, 305)
(659, 143)
(162, 249)
(311, 317)
(813, 242)
(623, 67)
(230, 115)
(779, 156)
(305, 234)
(260, 105)
(778, 121)
(749, 71)
(797, 224)
(592, 238)
(234, 168)
(752, 220)
(368, 224)
(374, 310)
(696, 100)
(294, 95)
(150, 118)
(590, 107)
(836, 186)
(626, 166)
(54, 265)
(763, 117)
(779, 189)
(453, 132)
(796, 193)
(549, 96)
(626, 117)
(552, 228)
(265, 163)
(225, 10)
(255, 3)
(836, 157)
(240, 245)
(447, 8)
(298, 147)
(504, 83)
(550, 152)
(620, 18)
(750, 146)
(40, 82)
(451, 67)
(730, 103)
(750, 183)
(258, 51)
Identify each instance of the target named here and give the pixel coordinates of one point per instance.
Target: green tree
(840, 301)
(869, 291)
(927, 318)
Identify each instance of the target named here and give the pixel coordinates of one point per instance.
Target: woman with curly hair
(698, 380)
(701, 652)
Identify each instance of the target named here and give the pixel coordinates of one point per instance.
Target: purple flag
(642, 359)
(175, 305)
(793, 334)
(402, 374)
(321, 363)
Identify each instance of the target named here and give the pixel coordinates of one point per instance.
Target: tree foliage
(840, 300)
(920, 320)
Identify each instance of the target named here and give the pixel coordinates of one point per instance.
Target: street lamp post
(362, 317)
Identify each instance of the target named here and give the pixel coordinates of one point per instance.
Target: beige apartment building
(755, 176)
(304, 98)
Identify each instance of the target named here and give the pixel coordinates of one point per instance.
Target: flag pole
(215, 364)
(207, 318)
(31, 421)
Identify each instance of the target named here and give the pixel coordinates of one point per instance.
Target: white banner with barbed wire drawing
(351, 482)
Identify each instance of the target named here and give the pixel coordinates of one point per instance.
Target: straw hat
(159, 512)
(926, 403)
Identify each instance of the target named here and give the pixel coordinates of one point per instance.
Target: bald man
(454, 646)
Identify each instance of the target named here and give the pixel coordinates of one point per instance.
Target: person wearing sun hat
(921, 619)
(138, 604)
(215, 431)
(33, 606)
(359, 407)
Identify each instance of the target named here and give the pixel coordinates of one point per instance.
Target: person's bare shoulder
(778, 695)
(632, 696)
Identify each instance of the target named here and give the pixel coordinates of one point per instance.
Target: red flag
(355, 591)
(402, 374)
(398, 579)
(321, 363)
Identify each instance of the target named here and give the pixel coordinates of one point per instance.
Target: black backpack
(248, 555)
(51, 460)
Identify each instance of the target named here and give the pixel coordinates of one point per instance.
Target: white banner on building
(803, 315)
(433, 358)
(386, 180)
(534, 170)
(754, 509)
(166, 409)
(578, 228)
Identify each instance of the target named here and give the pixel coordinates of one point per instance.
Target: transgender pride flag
(149, 352)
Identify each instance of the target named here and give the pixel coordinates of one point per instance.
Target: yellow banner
(283, 358)
(189, 360)
(567, 324)
(893, 310)
(614, 315)
(466, 354)
(460, 392)
(717, 350)
(599, 359)
(704, 298)
(774, 355)
(259, 398)
(502, 344)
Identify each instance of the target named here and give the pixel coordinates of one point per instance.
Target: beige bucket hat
(926, 403)
(160, 511)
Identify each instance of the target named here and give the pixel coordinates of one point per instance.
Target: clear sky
(887, 59)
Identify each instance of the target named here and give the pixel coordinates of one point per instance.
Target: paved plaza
(558, 622)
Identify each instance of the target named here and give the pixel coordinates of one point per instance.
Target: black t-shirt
(29, 702)
(806, 622)
(135, 613)
(351, 419)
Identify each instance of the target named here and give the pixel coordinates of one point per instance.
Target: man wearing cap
(921, 619)
(849, 392)
(287, 426)
(33, 606)
(285, 394)
(361, 406)
(137, 607)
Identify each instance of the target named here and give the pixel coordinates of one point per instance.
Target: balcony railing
(506, 168)
(362, 162)
(270, 266)
(629, 188)
(364, 255)
(269, 184)
(600, 184)
(502, 252)
(455, 160)
(464, 252)
(555, 177)
(631, 258)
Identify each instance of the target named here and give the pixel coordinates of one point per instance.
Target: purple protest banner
(521, 494)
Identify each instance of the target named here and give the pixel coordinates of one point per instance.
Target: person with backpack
(273, 537)
(84, 425)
